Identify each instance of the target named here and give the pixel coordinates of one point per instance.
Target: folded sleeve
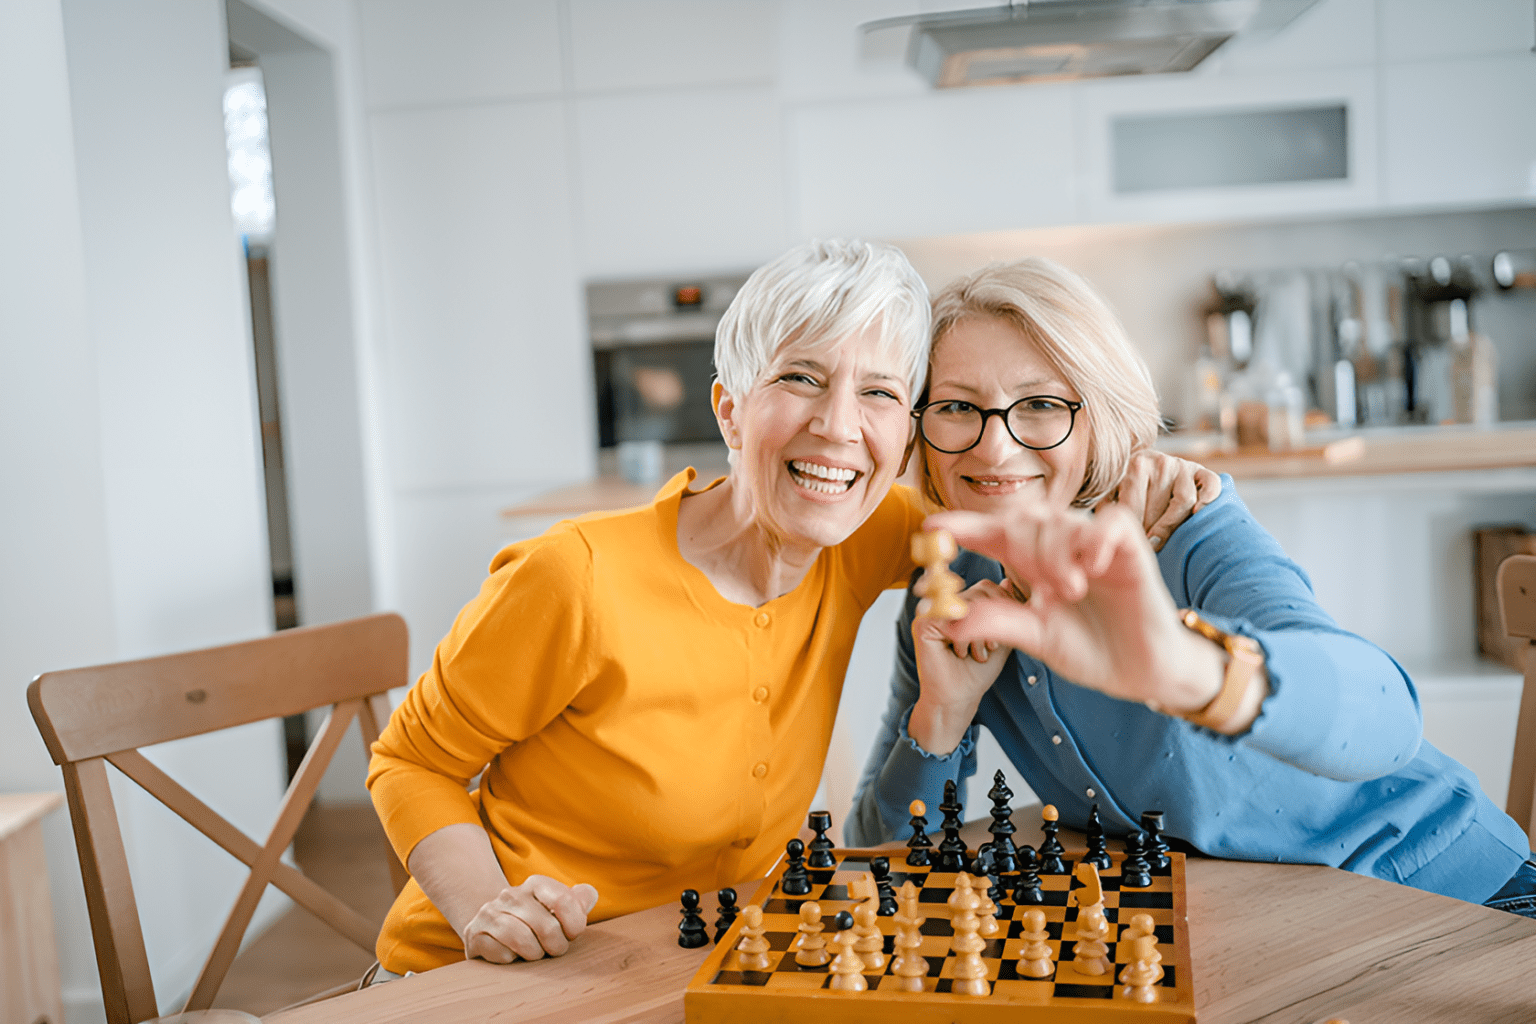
(1339, 706)
(516, 657)
(899, 770)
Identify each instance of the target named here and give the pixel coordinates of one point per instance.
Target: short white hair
(1079, 333)
(820, 293)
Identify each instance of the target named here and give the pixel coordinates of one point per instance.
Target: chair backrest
(91, 716)
(1516, 584)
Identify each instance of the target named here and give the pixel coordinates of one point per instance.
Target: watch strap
(1244, 659)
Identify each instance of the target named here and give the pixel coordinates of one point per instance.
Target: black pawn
(1004, 852)
(919, 844)
(821, 846)
(1135, 872)
(1051, 849)
(1026, 887)
(1157, 850)
(985, 866)
(1098, 846)
(952, 850)
(880, 868)
(692, 934)
(841, 922)
(727, 913)
(796, 882)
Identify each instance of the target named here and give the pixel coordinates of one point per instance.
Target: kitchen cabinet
(29, 964)
(1459, 132)
(1102, 102)
(940, 163)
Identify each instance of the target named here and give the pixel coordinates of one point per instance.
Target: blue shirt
(1334, 770)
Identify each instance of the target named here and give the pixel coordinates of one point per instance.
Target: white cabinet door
(1459, 131)
(949, 162)
(1104, 101)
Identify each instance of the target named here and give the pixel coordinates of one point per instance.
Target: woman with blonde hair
(1202, 680)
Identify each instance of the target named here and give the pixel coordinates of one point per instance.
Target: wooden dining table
(1272, 943)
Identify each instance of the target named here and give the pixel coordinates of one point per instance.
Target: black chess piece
(1026, 887)
(880, 868)
(1004, 853)
(919, 844)
(1135, 872)
(821, 846)
(1098, 846)
(1051, 849)
(692, 934)
(952, 850)
(985, 866)
(796, 882)
(727, 913)
(1157, 849)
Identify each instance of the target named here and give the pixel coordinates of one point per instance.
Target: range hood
(1061, 40)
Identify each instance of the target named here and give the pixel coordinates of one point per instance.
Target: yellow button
(760, 770)
(762, 618)
(760, 694)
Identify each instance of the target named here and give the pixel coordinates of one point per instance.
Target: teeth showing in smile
(824, 479)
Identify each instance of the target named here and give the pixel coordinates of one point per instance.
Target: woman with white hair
(647, 696)
(1260, 728)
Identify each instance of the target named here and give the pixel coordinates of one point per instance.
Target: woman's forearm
(457, 869)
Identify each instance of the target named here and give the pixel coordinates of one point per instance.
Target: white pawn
(1141, 977)
(1144, 972)
(1035, 961)
(867, 940)
(810, 945)
(847, 967)
(752, 950)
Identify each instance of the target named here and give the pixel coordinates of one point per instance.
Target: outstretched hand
(1098, 612)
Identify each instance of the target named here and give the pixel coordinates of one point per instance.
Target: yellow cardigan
(636, 730)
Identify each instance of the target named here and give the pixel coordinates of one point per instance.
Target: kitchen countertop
(1377, 452)
(1371, 452)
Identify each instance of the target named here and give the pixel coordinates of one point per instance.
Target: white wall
(133, 519)
(56, 594)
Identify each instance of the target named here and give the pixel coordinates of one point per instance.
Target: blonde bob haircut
(822, 292)
(1082, 338)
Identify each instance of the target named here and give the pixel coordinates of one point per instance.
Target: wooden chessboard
(788, 993)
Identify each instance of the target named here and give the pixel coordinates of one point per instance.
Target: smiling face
(991, 364)
(820, 437)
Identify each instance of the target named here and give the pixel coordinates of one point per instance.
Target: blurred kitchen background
(475, 249)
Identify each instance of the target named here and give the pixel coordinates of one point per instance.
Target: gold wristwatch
(1244, 660)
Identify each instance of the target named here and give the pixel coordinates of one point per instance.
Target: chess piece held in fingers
(939, 587)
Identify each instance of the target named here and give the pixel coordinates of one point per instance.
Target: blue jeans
(1519, 893)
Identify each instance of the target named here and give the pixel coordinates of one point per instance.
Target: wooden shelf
(1411, 450)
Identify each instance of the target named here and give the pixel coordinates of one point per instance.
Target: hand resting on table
(457, 869)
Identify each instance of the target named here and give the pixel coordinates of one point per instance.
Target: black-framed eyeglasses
(1038, 422)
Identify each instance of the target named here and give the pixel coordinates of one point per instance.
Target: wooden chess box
(787, 993)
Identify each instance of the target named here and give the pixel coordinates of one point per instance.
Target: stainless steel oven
(652, 356)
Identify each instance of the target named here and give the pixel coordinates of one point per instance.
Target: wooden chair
(1516, 584)
(92, 716)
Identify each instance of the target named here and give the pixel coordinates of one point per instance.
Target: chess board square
(946, 985)
(948, 970)
(789, 965)
(1136, 899)
(1024, 990)
(1075, 991)
(937, 926)
(803, 982)
(732, 962)
(820, 876)
(753, 978)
